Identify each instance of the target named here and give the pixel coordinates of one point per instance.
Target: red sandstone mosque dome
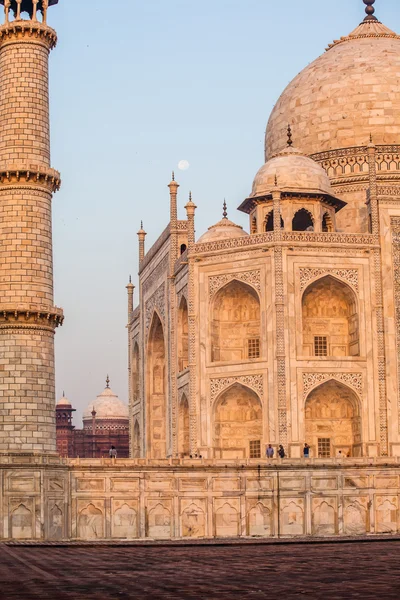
(350, 92)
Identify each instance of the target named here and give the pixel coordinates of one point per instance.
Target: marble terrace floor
(236, 571)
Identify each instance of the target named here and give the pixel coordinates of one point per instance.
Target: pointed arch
(235, 323)
(327, 223)
(238, 423)
(330, 318)
(269, 222)
(303, 220)
(136, 440)
(135, 373)
(333, 420)
(183, 335)
(156, 416)
(183, 427)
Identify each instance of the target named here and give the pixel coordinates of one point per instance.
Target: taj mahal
(285, 334)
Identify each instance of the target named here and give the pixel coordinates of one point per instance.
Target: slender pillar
(280, 322)
(28, 317)
(379, 317)
(173, 317)
(142, 237)
(173, 191)
(190, 212)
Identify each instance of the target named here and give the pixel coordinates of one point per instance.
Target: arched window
(183, 248)
(327, 224)
(238, 424)
(136, 441)
(235, 323)
(135, 373)
(269, 221)
(303, 221)
(156, 391)
(184, 427)
(330, 319)
(333, 421)
(183, 335)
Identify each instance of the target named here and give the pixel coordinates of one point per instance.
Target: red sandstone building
(105, 424)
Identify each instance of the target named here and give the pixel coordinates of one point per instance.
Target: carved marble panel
(227, 517)
(90, 523)
(307, 274)
(193, 517)
(292, 516)
(324, 516)
(219, 384)
(311, 380)
(386, 516)
(124, 523)
(156, 301)
(259, 518)
(159, 519)
(216, 282)
(355, 516)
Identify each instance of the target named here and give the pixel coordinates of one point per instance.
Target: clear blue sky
(136, 86)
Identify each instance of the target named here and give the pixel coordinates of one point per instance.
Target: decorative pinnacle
(224, 212)
(130, 278)
(289, 136)
(141, 224)
(63, 394)
(107, 382)
(190, 196)
(369, 10)
(173, 175)
(370, 138)
(276, 179)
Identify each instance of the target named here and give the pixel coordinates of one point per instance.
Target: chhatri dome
(63, 401)
(107, 406)
(224, 229)
(345, 95)
(292, 172)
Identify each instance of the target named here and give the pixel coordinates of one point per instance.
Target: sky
(137, 86)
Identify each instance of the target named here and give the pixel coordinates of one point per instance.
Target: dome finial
(173, 175)
(289, 136)
(225, 211)
(369, 10)
(107, 382)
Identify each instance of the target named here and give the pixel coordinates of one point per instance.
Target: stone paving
(273, 571)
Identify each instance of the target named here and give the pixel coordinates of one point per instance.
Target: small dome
(224, 229)
(107, 406)
(63, 401)
(291, 171)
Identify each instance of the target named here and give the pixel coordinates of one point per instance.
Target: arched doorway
(303, 221)
(156, 391)
(269, 222)
(330, 319)
(183, 427)
(238, 428)
(235, 323)
(136, 441)
(183, 335)
(333, 420)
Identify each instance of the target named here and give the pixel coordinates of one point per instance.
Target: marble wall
(126, 499)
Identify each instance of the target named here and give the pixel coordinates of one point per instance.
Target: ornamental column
(28, 317)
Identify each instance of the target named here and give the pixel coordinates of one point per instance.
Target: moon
(183, 165)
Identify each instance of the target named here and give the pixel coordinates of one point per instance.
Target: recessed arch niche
(269, 222)
(235, 323)
(333, 420)
(156, 391)
(136, 440)
(135, 372)
(303, 221)
(238, 423)
(183, 335)
(330, 319)
(183, 427)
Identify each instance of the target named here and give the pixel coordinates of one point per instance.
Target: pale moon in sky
(183, 165)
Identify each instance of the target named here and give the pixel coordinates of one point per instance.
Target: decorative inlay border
(219, 384)
(309, 273)
(312, 380)
(216, 282)
(395, 226)
(156, 301)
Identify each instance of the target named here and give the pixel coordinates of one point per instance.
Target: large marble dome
(344, 96)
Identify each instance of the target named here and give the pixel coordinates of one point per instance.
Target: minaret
(28, 317)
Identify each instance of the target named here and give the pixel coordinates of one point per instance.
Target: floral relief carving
(216, 282)
(353, 380)
(156, 301)
(219, 384)
(309, 273)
